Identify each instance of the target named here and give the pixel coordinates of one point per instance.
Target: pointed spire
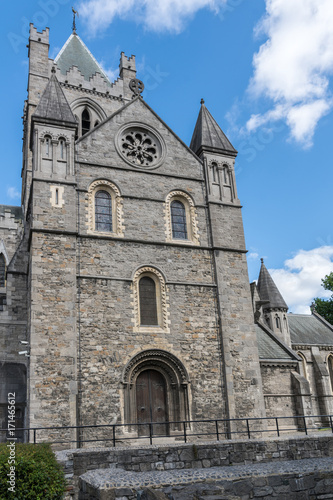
(208, 136)
(75, 53)
(268, 290)
(53, 104)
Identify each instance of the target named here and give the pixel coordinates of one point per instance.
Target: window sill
(105, 233)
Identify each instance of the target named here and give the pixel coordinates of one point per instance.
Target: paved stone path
(118, 478)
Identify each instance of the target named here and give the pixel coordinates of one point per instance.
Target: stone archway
(162, 368)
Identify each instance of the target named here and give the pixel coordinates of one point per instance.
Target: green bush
(38, 476)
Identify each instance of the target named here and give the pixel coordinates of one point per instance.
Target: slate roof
(16, 211)
(268, 290)
(53, 104)
(75, 53)
(268, 348)
(208, 135)
(309, 329)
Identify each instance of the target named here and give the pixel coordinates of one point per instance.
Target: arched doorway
(151, 402)
(163, 374)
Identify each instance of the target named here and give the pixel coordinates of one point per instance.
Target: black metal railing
(213, 429)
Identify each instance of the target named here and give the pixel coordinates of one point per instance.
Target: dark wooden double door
(151, 402)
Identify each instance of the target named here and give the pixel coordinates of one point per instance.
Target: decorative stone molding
(117, 208)
(169, 363)
(191, 217)
(161, 300)
(140, 146)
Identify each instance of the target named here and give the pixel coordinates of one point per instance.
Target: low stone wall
(297, 480)
(193, 456)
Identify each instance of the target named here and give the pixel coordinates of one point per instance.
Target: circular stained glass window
(140, 146)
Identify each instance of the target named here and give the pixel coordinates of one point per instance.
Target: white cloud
(13, 193)
(156, 15)
(253, 256)
(300, 280)
(292, 68)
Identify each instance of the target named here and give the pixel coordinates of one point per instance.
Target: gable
(163, 151)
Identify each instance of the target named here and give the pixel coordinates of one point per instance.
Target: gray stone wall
(280, 400)
(108, 343)
(53, 330)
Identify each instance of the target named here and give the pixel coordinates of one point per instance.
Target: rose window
(140, 147)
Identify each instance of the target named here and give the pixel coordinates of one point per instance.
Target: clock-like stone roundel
(140, 146)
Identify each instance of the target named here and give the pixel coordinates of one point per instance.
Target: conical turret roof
(53, 104)
(75, 53)
(268, 290)
(208, 136)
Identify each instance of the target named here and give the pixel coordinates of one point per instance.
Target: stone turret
(240, 353)
(211, 144)
(273, 305)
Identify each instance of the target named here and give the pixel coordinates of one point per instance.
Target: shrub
(38, 476)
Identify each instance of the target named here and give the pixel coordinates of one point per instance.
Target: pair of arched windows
(48, 150)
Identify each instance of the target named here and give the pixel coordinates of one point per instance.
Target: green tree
(322, 306)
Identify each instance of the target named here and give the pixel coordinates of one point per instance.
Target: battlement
(36, 36)
(126, 62)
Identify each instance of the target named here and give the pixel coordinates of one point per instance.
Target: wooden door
(151, 402)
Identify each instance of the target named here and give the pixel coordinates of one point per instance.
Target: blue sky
(264, 68)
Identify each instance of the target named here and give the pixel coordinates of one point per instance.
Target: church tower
(239, 343)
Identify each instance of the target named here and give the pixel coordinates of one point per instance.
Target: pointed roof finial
(75, 12)
(262, 260)
(202, 101)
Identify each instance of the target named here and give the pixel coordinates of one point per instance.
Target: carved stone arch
(191, 216)
(62, 136)
(156, 357)
(83, 102)
(117, 206)
(162, 301)
(96, 112)
(176, 378)
(46, 133)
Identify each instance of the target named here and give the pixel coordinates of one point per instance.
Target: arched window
(303, 368)
(47, 147)
(2, 270)
(148, 305)
(85, 120)
(268, 321)
(330, 368)
(178, 220)
(103, 211)
(150, 300)
(181, 218)
(277, 322)
(62, 149)
(214, 171)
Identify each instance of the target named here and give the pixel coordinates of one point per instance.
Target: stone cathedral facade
(124, 274)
